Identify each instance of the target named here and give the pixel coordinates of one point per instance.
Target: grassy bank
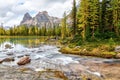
(104, 49)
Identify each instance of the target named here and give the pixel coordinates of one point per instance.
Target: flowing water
(46, 55)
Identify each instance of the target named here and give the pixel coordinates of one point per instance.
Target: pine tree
(63, 30)
(45, 30)
(82, 17)
(73, 16)
(53, 31)
(93, 20)
(103, 15)
(36, 30)
(2, 31)
(116, 16)
(106, 16)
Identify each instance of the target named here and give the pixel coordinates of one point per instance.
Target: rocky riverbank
(86, 70)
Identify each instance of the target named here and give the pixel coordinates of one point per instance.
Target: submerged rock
(8, 59)
(10, 53)
(22, 55)
(39, 51)
(25, 69)
(8, 46)
(24, 60)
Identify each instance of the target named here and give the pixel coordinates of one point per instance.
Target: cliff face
(41, 19)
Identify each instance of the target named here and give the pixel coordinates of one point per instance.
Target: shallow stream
(46, 56)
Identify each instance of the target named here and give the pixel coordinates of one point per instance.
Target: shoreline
(95, 52)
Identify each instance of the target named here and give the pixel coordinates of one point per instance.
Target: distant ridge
(41, 19)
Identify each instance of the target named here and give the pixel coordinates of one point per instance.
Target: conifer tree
(103, 15)
(63, 30)
(74, 21)
(82, 17)
(106, 16)
(93, 20)
(116, 16)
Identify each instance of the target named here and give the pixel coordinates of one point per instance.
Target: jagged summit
(26, 17)
(41, 19)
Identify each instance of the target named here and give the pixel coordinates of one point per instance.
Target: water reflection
(18, 46)
(28, 42)
(19, 42)
(12, 47)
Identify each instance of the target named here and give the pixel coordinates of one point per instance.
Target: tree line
(24, 30)
(91, 19)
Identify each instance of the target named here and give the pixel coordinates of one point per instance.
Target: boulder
(117, 49)
(24, 60)
(8, 59)
(1, 61)
(8, 46)
(118, 56)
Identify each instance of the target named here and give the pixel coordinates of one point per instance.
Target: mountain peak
(45, 12)
(26, 17)
(27, 14)
(41, 13)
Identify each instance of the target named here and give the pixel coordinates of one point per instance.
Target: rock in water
(8, 46)
(1, 61)
(10, 53)
(24, 60)
(8, 59)
(117, 49)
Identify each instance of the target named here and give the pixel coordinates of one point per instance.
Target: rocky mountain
(26, 18)
(41, 19)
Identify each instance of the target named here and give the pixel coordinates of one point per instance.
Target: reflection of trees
(27, 42)
(2, 40)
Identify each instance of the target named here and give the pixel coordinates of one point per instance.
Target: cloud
(12, 11)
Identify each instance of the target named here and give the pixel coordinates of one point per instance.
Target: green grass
(103, 48)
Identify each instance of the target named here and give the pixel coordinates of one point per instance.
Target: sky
(12, 11)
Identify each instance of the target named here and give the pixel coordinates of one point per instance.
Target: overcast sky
(12, 11)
